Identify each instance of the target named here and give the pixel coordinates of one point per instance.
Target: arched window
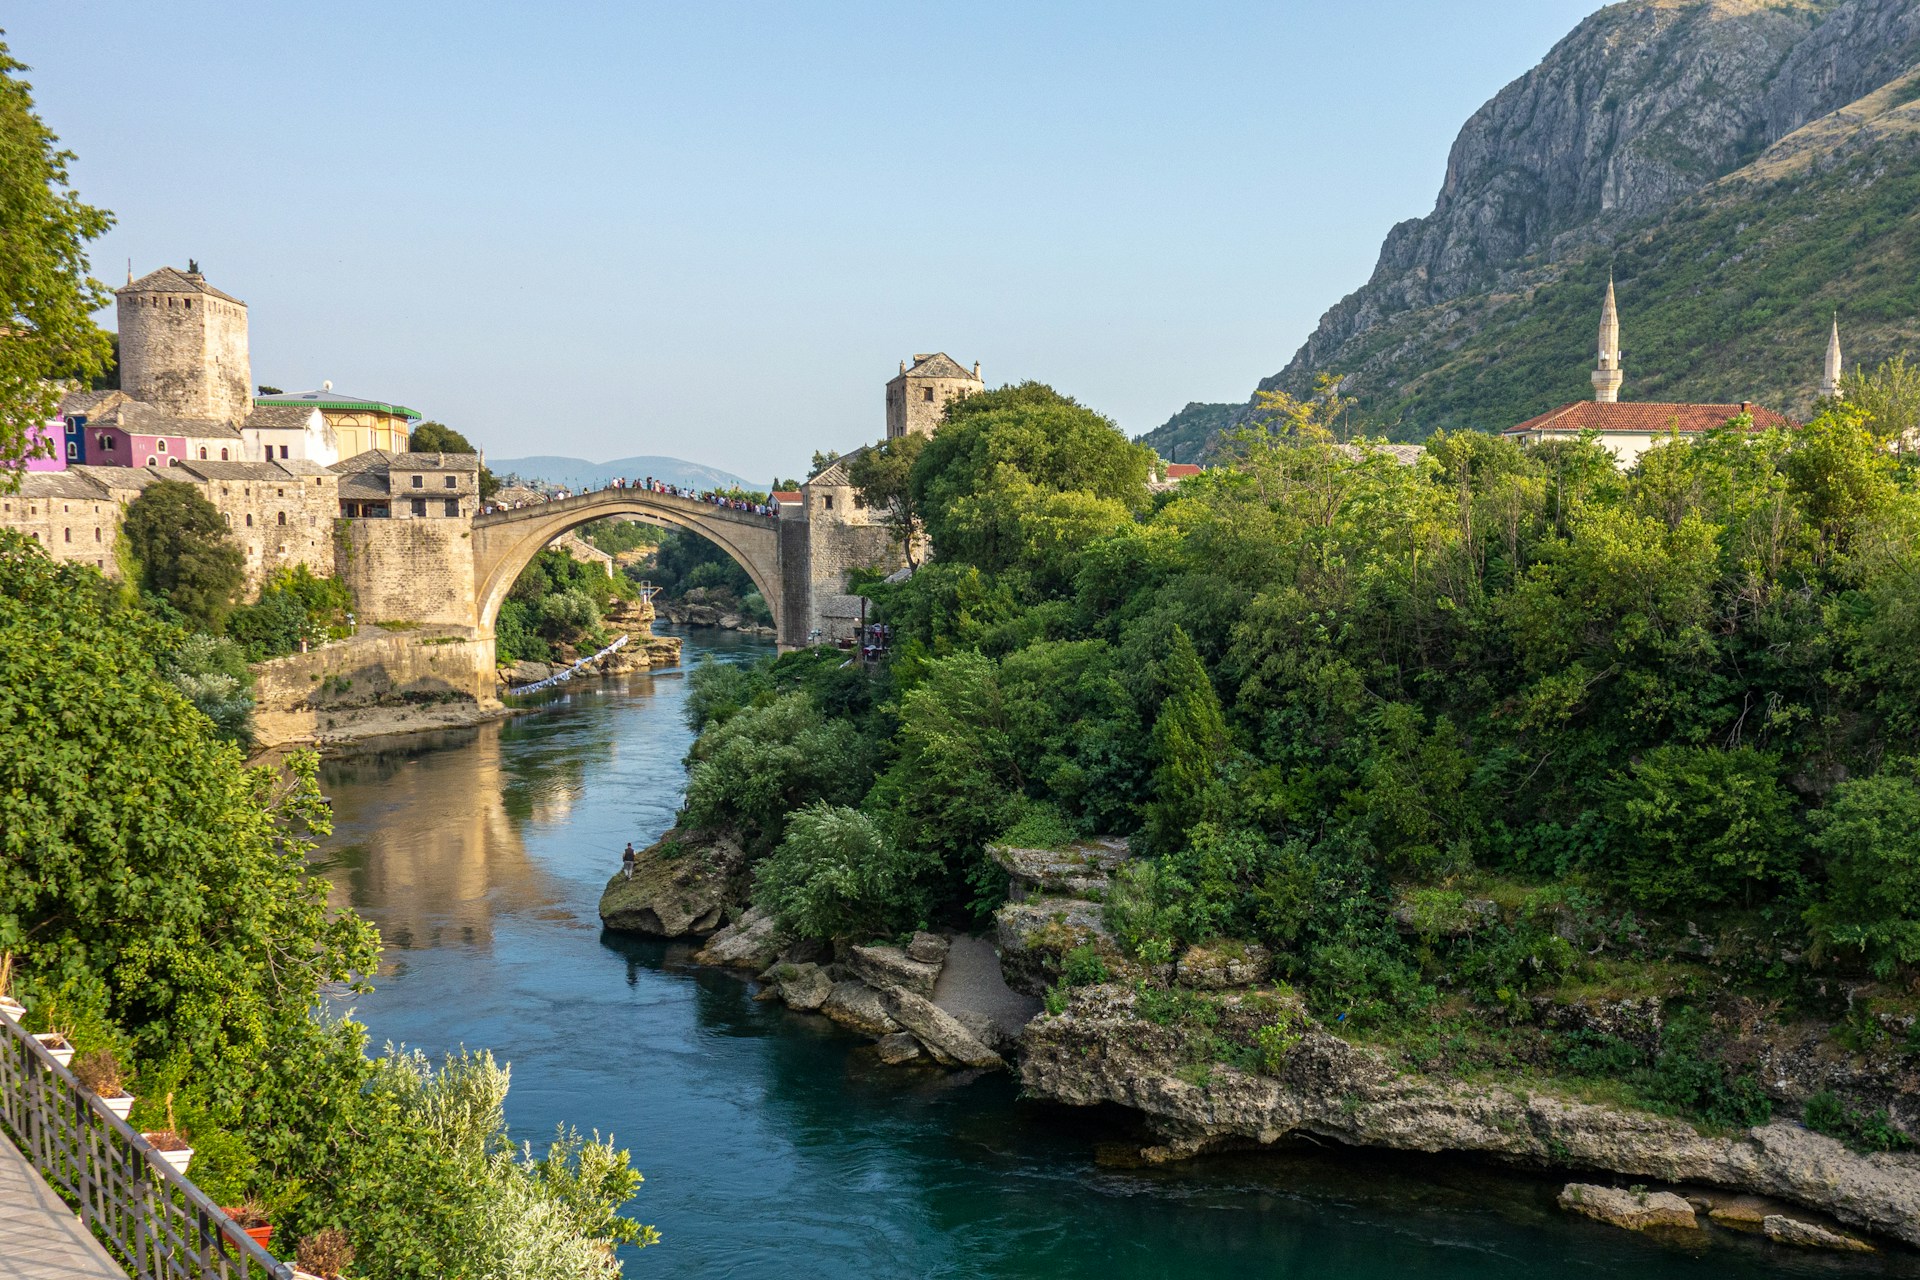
(96, 533)
(173, 462)
(223, 455)
(66, 535)
(161, 445)
(283, 517)
(152, 461)
(203, 453)
(249, 519)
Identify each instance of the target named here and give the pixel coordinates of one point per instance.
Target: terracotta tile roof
(786, 495)
(1181, 470)
(1651, 418)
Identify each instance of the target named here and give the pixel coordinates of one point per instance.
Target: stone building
(840, 532)
(69, 513)
(1629, 429)
(183, 345)
(381, 484)
(917, 398)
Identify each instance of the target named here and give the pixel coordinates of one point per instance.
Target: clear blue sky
(713, 229)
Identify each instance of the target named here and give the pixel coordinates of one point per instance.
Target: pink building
(49, 439)
(131, 434)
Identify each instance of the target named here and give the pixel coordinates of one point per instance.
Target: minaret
(1607, 378)
(1830, 383)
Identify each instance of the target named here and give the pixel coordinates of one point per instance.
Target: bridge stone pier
(773, 551)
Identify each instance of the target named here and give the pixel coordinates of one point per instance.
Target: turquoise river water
(773, 1144)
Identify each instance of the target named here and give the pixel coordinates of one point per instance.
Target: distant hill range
(575, 473)
(1745, 168)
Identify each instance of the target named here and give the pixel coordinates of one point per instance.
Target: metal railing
(156, 1223)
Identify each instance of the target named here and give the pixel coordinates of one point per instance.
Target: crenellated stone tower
(1830, 380)
(1608, 377)
(183, 346)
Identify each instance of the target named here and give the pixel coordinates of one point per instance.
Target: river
(773, 1145)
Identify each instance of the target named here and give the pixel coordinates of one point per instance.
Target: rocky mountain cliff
(1665, 139)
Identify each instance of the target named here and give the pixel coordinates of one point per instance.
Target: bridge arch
(505, 542)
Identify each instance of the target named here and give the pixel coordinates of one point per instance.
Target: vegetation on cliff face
(155, 901)
(1744, 169)
(1448, 739)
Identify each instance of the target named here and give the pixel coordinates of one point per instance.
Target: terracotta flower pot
(259, 1234)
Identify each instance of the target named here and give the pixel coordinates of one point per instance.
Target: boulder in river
(680, 886)
(856, 1006)
(1808, 1236)
(753, 942)
(801, 986)
(945, 1038)
(1634, 1210)
(897, 1048)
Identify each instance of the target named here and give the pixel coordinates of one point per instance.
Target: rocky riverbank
(1215, 1054)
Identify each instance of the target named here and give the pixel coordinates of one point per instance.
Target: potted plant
(170, 1144)
(99, 1073)
(251, 1217)
(323, 1255)
(58, 1045)
(8, 1005)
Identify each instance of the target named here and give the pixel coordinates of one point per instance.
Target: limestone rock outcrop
(680, 886)
(1634, 1210)
(1103, 1049)
(858, 1007)
(939, 1032)
(1806, 1235)
(887, 967)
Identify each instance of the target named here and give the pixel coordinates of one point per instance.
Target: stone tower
(917, 398)
(1830, 380)
(183, 346)
(1608, 377)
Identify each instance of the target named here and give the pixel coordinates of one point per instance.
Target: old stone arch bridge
(773, 551)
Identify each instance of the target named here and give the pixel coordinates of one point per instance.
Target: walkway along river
(773, 1144)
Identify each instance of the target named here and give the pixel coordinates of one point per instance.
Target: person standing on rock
(626, 862)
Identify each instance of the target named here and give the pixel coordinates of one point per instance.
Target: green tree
(46, 296)
(1699, 826)
(1190, 747)
(766, 761)
(185, 556)
(837, 875)
(1868, 838)
(1023, 475)
(1888, 398)
(882, 476)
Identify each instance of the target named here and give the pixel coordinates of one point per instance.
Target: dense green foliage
(185, 557)
(1185, 436)
(46, 296)
(155, 901)
(293, 606)
(1443, 737)
(614, 536)
(556, 601)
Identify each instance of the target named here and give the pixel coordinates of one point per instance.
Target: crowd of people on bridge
(732, 501)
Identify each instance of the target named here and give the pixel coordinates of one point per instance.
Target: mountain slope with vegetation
(1744, 167)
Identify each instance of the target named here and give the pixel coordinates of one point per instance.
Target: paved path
(40, 1238)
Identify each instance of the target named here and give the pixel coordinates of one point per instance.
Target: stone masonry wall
(411, 570)
(842, 536)
(79, 526)
(191, 360)
(296, 695)
(280, 522)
